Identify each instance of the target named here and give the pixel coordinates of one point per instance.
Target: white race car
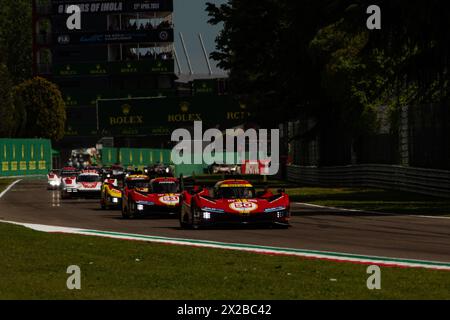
(86, 185)
(53, 179)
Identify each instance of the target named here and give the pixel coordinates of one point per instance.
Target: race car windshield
(90, 178)
(165, 187)
(138, 184)
(69, 173)
(235, 193)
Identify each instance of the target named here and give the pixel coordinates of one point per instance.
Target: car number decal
(170, 200)
(243, 206)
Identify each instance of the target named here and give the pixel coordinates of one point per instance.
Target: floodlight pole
(186, 54)
(180, 71)
(208, 64)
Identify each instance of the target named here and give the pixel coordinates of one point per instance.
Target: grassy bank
(33, 266)
(4, 183)
(369, 199)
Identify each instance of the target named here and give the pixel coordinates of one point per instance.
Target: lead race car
(233, 202)
(142, 196)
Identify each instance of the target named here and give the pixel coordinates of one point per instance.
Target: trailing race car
(68, 179)
(159, 170)
(87, 184)
(224, 168)
(143, 196)
(53, 179)
(111, 194)
(233, 202)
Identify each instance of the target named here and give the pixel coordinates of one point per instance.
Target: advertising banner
(95, 7)
(25, 157)
(161, 115)
(95, 38)
(114, 68)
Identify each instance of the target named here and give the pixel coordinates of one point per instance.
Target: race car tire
(183, 223)
(194, 223)
(131, 209)
(125, 213)
(102, 205)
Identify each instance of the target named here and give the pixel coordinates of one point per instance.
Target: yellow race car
(111, 194)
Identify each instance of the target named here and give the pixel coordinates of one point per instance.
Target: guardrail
(424, 181)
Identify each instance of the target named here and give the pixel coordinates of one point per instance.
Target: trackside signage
(162, 115)
(24, 157)
(95, 7)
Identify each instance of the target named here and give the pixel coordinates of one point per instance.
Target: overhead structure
(208, 64)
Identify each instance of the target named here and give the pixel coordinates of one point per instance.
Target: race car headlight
(282, 214)
(276, 209)
(146, 203)
(213, 210)
(140, 207)
(55, 183)
(115, 200)
(206, 215)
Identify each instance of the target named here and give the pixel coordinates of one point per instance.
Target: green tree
(16, 38)
(317, 60)
(7, 123)
(41, 109)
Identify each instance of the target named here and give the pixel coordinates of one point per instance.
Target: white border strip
(9, 188)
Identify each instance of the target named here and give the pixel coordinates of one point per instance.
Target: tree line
(29, 107)
(318, 60)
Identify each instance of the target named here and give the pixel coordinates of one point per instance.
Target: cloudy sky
(191, 19)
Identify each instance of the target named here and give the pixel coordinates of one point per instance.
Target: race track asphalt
(397, 236)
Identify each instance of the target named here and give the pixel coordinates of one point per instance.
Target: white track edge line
(9, 188)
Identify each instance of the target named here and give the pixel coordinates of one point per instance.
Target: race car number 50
(244, 309)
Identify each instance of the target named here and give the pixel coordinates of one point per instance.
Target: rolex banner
(159, 116)
(117, 67)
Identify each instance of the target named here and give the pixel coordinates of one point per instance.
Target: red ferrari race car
(142, 196)
(233, 202)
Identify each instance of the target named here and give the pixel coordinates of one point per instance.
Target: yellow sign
(13, 165)
(5, 166)
(23, 165)
(32, 165)
(42, 165)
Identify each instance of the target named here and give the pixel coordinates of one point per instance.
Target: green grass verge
(369, 199)
(33, 266)
(4, 183)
